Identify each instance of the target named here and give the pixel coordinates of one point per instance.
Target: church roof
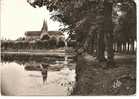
(44, 27)
(56, 33)
(44, 31)
(33, 33)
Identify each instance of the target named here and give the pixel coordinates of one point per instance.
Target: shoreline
(50, 53)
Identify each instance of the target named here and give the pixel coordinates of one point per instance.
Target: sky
(17, 16)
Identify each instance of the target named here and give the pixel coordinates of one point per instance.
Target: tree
(45, 44)
(38, 44)
(85, 18)
(61, 42)
(125, 27)
(45, 37)
(52, 42)
(20, 39)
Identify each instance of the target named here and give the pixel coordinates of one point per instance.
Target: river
(22, 78)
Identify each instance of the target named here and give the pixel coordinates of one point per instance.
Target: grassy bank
(94, 78)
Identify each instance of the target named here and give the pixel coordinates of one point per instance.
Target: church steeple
(44, 27)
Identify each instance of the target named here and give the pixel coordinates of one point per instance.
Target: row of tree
(39, 44)
(119, 46)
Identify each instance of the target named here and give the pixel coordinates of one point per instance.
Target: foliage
(39, 44)
(61, 43)
(52, 42)
(88, 20)
(125, 27)
(79, 15)
(20, 39)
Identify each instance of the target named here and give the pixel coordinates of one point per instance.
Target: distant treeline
(24, 58)
(39, 44)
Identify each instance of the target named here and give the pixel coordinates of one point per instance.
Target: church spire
(44, 27)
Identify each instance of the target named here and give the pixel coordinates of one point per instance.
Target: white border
(98, 97)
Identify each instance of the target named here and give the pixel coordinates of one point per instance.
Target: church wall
(32, 37)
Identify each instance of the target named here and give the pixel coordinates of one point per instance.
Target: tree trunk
(108, 29)
(128, 47)
(100, 34)
(132, 47)
(90, 47)
(100, 47)
(115, 47)
(124, 47)
(88, 42)
(110, 48)
(119, 44)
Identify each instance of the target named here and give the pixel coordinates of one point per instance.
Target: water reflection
(37, 77)
(44, 69)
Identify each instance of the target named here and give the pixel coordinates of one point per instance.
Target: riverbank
(51, 52)
(45, 56)
(34, 50)
(94, 78)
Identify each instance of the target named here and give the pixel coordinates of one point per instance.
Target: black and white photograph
(68, 47)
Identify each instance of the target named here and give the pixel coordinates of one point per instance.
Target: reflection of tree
(44, 69)
(30, 57)
(36, 67)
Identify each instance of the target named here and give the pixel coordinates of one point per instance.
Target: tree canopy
(88, 18)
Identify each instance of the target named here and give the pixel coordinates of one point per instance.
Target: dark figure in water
(44, 69)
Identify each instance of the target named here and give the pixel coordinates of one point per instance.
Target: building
(44, 34)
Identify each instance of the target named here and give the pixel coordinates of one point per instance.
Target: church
(43, 34)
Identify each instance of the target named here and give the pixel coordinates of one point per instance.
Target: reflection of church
(44, 34)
